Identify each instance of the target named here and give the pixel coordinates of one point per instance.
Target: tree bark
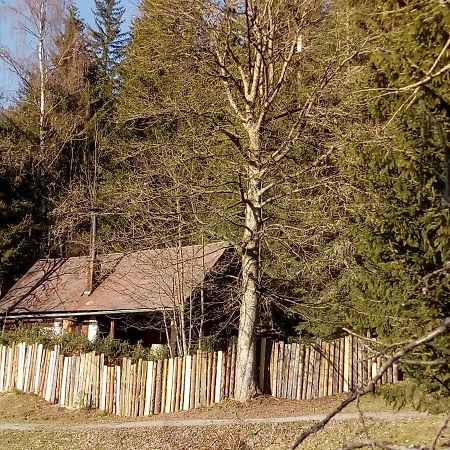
(245, 386)
(41, 57)
(41, 19)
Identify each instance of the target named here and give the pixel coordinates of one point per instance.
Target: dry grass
(256, 437)
(21, 408)
(18, 407)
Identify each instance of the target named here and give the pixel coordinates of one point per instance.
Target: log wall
(296, 371)
(142, 388)
(131, 388)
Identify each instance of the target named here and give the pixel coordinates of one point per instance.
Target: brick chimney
(92, 262)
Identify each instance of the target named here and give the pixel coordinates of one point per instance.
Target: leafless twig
(440, 431)
(370, 387)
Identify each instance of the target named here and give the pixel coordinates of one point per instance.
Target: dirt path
(159, 423)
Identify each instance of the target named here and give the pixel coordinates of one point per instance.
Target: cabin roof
(127, 282)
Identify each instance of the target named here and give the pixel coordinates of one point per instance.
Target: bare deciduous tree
(256, 49)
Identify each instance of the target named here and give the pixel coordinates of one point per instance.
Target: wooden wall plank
(280, 369)
(174, 380)
(330, 362)
(57, 387)
(3, 353)
(350, 363)
(305, 378)
(193, 381)
(40, 350)
(320, 349)
(262, 364)
(346, 362)
(395, 373)
(180, 384)
(285, 372)
(233, 371)
(316, 370)
(153, 401)
(103, 383)
(148, 388)
(208, 378)
(118, 390)
(27, 366)
(301, 356)
(20, 366)
(142, 387)
(158, 389)
(213, 378)
(187, 382)
(354, 363)
(203, 378)
(198, 379)
(227, 361)
(218, 392)
(272, 369)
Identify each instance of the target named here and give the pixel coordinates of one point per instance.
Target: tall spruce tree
(69, 123)
(108, 43)
(397, 163)
(74, 124)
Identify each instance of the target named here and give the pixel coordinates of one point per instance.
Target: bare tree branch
(373, 443)
(370, 387)
(440, 431)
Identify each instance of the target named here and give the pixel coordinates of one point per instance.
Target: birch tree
(37, 21)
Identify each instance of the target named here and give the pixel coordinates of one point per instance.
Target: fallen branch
(370, 387)
(440, 431)
(373, 443)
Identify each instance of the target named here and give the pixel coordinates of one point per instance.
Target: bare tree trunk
(202, 298)
(181, 276)
(246, 345)
(41, 57)
(167, 330)
(41, 31)
(256, 50)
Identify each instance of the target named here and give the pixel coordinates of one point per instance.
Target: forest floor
(26, 422)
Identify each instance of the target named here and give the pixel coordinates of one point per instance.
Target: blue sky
(9, 38)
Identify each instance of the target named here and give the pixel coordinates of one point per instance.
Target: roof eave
(63, 314)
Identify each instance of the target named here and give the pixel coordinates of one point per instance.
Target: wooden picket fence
(297, 371)
(141, 388)
(130, 389)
